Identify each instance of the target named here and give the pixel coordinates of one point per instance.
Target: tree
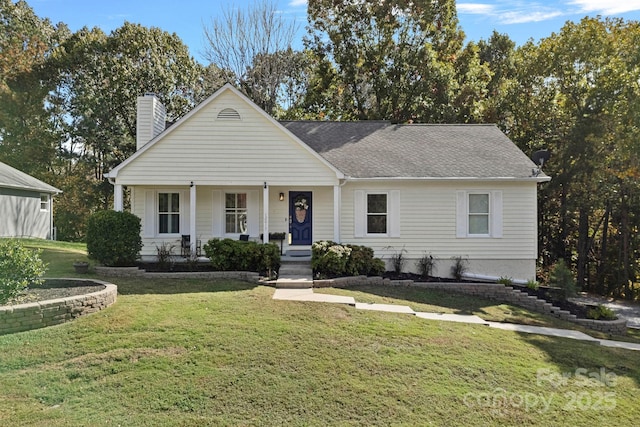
(28, 140)
(254, 46)
(396, 60)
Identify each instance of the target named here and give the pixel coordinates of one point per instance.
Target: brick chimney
(150, 120)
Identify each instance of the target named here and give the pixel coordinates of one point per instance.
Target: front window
(376, 213)
(479, 214)
(235, 207)
(44, 203)
(169, 213)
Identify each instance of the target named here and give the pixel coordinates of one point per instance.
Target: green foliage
(507, 281)
(20, 267)
(425, 265)
(237, 255)
(533, 284)
(330, 259)
(562, 277)
(459, 267)
(601, 313)
(113, 238)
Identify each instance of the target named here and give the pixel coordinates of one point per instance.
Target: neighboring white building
(227, 169)
(26, 205)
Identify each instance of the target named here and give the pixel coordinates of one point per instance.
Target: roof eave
(537, 179)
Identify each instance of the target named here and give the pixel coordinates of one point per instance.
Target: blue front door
(300, 225)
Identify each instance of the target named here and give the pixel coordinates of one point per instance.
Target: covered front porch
(197, 213)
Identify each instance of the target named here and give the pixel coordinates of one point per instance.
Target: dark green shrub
(113, 238)
(533, 284)
(562, 277)
(20, 267)
(507, 281)
(237, 255)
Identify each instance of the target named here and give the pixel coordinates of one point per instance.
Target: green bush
(330, 259)
(20, 267)
(601, 313)
(237, 255)
(533, 284)
(507, 281)
(562, 277)
(113, 238)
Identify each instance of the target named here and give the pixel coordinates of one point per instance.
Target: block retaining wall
(493, 291)
(24, 317)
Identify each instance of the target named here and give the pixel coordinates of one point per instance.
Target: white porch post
(337, 201)
(118, 204)
(192, 218)
(265, 214)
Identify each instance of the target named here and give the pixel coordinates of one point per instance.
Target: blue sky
(520, 19)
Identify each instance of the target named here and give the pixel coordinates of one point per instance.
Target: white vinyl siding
(231, 153)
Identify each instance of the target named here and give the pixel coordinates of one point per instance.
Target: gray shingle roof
(376, 149)
(13, 178)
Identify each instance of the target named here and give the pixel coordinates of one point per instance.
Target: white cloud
(297, 3)
(476, 8)
(511, 12)
(607, 7)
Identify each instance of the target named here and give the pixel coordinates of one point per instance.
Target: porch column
(192, 218)
(265, 213)
(337, 201)
(117, 198)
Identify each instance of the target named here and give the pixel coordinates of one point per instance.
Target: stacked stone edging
(35, 315)
(493, 291)
(246, 276)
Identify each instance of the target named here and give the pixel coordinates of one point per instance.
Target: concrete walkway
(309, 295)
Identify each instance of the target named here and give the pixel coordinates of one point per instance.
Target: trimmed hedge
(330, 259)
(113, 238)
(238, 255)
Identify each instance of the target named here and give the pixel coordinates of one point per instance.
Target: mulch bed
(54, 289)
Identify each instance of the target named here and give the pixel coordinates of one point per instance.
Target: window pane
(478, 224)
(175, 223)
(376, 203)
(164, 224)
(163, 202)
(230, 222)
(376, 224)
(175, 202)
(242, 201)
(478, 203)
(230, 201)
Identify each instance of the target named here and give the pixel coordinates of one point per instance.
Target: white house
(228, 169)
(25, 205)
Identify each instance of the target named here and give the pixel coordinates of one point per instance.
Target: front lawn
(191, 353)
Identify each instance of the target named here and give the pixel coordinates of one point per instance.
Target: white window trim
(366, 214)
(151, 226)
(361, 213)
(218, 228)
(47, 203)
(224, 209)
(180, 213)
(495, 214)
(489, 214)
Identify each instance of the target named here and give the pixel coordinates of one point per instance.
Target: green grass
(197, 352)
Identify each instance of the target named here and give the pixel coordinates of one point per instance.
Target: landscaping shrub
(398, 260)
(237, 255)
(601, 313)
(113, 238)
(507, 281)
(20, 267)
(330, 259)
(459, 267)
(425, 265)
(562, 277)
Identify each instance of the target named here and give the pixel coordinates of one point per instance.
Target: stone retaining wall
(24, 317)
(493, 291)
(246, 276)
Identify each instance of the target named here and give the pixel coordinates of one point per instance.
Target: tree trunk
(602, 261)
(624, 242)
(583, 246)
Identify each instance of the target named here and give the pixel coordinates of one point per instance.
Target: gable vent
(229, 114)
